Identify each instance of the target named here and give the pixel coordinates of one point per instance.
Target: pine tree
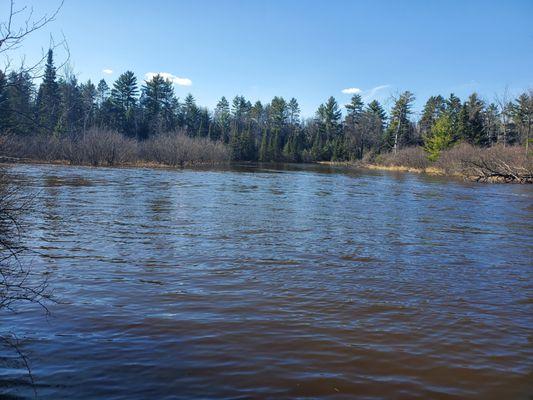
(294, 112)
(222, 120)
(71, 107)
(102, 92)
(328, 130)
(373, 123)
(400, 128)
(20, 118)
(48, 98)
(159, 106)
(453, 107)
(264, 151)
(353, 132)
(124, 99)
(472, 119)
(433, 109)
(191, 114)
(523, 117)
(89, 106)
(492, 123)
(374, 108)
(239, 112)
(440, 137)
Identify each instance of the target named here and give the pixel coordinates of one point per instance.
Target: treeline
(62, 107)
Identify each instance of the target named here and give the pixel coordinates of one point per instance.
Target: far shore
(398, 168)
(431, 170)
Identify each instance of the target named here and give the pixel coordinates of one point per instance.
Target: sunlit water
(275, 283)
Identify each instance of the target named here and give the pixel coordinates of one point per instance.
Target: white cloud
(168, 76)
(107, 71)
(352, 90)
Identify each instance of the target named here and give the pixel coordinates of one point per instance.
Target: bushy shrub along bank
(103, 147)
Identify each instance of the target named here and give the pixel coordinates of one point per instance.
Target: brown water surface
(293, 282)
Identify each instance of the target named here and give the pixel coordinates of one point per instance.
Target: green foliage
(124, 99)
(399, 131)
(433, 109)
(48, 98)
(471, 121)
(222, 121)
(159, 105)
(439, 138)
(522, 114)
(273, 131)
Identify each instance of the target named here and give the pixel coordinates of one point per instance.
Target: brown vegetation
(493, 164)
(107, 148)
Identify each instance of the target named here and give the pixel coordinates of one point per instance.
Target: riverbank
(491, 165)
(107, 148)
(496, 164)
(137, 164)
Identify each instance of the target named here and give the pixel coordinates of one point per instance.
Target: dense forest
(63, 107)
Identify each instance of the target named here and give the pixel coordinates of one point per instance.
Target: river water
(262, 282)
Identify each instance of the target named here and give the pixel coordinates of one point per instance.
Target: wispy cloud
(366, 94)
(107, 71)
(352, 90)
(472, 85)
(370, 94)
(168, 76)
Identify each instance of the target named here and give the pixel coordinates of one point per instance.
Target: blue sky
(306, 49)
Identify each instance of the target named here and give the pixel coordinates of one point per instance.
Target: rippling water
(276, 283)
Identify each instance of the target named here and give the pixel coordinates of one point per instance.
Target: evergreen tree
(239, 110)
(204, 122)
(472, 120)
(159, 106)
(353, 132)
(329, 132)
(264, 149)
(191, 114)
(374, 108)
(102, 92)
(70, 119)
(20, 112)
(294, 112)
(48, 98)
(440, 137)
(373, 124)
(453, 107)
(433, 109)
(523, 117)
(89, 104)
(400, 128)
(222, 121)
(492, 123)
(124, 99)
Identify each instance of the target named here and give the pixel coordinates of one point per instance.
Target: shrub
(104, 147)
(410, 157)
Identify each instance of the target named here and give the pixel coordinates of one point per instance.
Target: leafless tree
(504, 104)
(20, 23)
(18, 283)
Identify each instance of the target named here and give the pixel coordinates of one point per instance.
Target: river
(257, 282)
